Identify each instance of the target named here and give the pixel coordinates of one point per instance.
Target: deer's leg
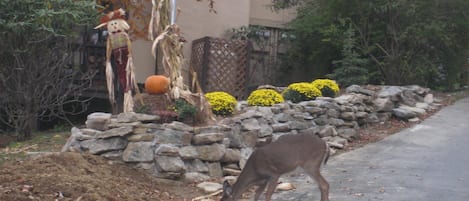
(259, 190)
(313, 171)
(271, 187)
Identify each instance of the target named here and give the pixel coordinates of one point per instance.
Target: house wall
(196, 22)
(261, 14)
(143, 60)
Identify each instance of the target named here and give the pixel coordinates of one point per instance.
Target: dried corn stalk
(166, 36)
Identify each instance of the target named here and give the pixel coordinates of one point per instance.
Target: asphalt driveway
(428, 162)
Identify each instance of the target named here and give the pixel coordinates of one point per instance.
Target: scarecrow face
(115, 26)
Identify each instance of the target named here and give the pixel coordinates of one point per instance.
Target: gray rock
(99, 146)
(359, 90)
(231, 171)
(282, 118)
(392, 92)
(146, 137)
(265, 112)
(146, 166)
(73, 144)
(321, 120)
(80, 135)
(333, 113)
(335, 145)
(146, 118)
(211, 129)
(383, 104)
(179, 126)
(138, 152)
(428, 99)
(263, 141)
(328, 131)
(424, 106)
(115, 124)
(170, 136)
(196, 165)
(335, 122)
(89, 133)
(147, 128)
(403, 113)
(249, 138)
(231, 155)
(126, 117)
(215, 170)
(188, 152)
(235, 137)
(410, 98)
(281, 127)
(167, 175)
(98, 121)
(170, 164)
(383, 116)
(416, 110)
(339, 140)
(418, 89)
(167, 150)
(361, 115)
(115, 132)
(212, 152)
(348, 116)
(266, 130)
(250, 124)
(249, 114)
(314, 110)
(195, 177)
(324, 104)
(113, 155)
(301, 125)
(209, 187)
(207, 138)
(348, 133)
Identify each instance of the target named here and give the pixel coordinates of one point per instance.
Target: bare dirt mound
(72, 176)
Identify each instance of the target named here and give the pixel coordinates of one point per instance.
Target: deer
(267, 163)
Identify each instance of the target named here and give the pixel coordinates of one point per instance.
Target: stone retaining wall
(179, 151)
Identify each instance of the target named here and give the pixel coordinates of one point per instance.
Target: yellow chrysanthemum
(326, 84)
(264, 97)
(302, 91)
(307, 89)
(222, 103)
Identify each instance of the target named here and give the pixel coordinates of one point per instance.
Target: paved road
(428, 162)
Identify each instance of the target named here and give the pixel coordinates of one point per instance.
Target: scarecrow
(118, 46)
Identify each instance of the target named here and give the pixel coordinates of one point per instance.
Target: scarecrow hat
(113, 15)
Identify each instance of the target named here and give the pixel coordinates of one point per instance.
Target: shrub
(222, 103)
(329, 88)
(184, 110)
(302, 91)
(264, 97)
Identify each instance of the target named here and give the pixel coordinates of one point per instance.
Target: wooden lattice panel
(221, 65)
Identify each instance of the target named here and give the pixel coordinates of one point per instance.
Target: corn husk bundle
(167, 37)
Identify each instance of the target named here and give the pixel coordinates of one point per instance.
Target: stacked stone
(177, 150)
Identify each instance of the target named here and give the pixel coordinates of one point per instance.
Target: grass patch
(50, 141)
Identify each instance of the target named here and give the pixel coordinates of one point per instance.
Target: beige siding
(143, 60)
(196, 22)
(262, 15)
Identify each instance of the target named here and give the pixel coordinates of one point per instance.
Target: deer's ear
(227, 188)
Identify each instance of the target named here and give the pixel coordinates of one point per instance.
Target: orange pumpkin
(156, 84)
